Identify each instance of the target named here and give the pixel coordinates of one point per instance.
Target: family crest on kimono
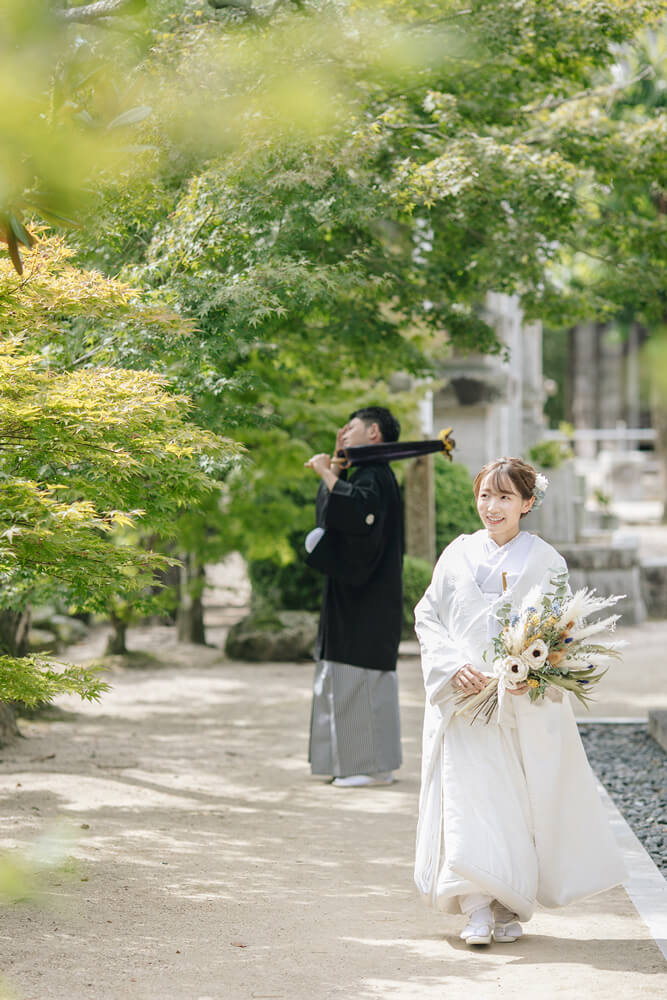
(509, 813)
(358, 545)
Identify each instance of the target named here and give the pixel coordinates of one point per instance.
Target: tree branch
(247, 8)
(236, 4)
(551, 103)
(94, 11)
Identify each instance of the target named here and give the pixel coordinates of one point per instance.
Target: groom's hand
(319, 463)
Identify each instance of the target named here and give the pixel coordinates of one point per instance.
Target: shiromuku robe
(361, 556)
(509, 809)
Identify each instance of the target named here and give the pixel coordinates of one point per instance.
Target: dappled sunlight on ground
(208, 862)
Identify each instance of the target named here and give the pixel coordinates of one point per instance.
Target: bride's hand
(469, 680)
(521, 689)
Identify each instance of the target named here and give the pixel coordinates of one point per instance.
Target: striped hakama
(355, 725)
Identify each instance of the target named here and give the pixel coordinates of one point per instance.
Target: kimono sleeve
(353, 516)
(357, 506)
(344, 559)
(441, 655)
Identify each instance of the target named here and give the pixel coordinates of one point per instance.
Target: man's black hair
(384, 418)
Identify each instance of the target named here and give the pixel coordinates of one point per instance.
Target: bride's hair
(508, 474)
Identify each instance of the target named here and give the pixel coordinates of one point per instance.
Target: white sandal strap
(480, 928)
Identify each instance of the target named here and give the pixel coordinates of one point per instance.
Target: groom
(358, 546)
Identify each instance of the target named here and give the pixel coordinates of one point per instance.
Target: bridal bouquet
(547, 642)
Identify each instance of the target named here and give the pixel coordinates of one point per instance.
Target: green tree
(337, 189)
(90, 459)
(455, 508)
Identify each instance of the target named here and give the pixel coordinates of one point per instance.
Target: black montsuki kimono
(361, 555)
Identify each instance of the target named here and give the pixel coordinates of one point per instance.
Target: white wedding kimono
(509, 809)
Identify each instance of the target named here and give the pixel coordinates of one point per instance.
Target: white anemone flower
(536, 653)
(511, 670)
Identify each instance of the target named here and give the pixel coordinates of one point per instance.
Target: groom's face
(357, 433)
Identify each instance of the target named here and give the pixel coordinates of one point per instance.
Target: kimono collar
(483, 550)
(491, 546)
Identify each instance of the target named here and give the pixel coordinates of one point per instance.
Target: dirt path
(210, 865)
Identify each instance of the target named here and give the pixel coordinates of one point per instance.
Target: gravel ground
(633, 768)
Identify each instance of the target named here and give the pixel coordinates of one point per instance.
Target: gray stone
(283, 636)
(599, 520)
(653, 575)
(494, 402)
(68, 630)
(556, 519)
(622, 473)
(657, 725)
(609, 569)
(41, 615)
(41, 640)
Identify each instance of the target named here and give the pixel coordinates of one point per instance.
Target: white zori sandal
(479, 929)
(507, 927)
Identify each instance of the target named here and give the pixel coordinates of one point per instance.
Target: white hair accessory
(540, 488)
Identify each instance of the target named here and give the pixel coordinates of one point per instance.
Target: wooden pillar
(420, 509)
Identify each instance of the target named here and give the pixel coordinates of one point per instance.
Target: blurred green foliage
(416, 578)
(290, 587)
(550, 454)
(455, 508)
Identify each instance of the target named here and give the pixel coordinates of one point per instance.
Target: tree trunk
(8, 728)
(116, 642)
(190, 616)
(14, 627)
(168, 582)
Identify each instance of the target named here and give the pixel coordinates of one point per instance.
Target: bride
(509, 814)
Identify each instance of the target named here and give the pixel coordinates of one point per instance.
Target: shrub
(455, 509)
(549, 454)
(292, 587)
(416, 578)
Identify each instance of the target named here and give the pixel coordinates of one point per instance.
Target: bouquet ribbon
(393, 451)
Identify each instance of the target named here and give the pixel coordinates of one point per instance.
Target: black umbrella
(393, 451)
